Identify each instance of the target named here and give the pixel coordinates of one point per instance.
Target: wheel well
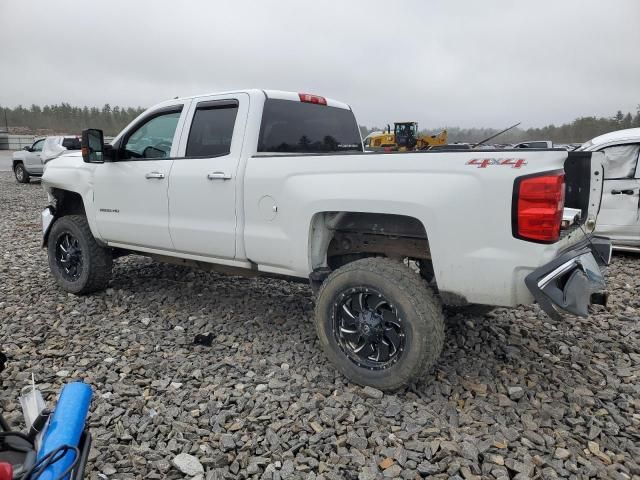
(68, 203)
(338, 238)
(15, 162)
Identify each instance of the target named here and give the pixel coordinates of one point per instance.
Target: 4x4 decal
(485, 162)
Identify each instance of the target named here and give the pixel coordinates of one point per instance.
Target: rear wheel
(20, 173)
(379, 323)
(78, 264)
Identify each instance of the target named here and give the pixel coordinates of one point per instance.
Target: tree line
(578, 131)
(65, 118)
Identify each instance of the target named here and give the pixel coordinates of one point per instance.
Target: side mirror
(92, 146)
(27, 148)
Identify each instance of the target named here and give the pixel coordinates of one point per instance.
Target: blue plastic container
(66, 426)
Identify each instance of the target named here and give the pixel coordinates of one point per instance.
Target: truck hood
(55, 153)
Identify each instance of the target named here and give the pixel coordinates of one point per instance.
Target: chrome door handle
(218, 176)
(154, 175)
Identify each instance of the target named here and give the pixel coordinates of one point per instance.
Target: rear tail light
(308, 98)
(538, 206)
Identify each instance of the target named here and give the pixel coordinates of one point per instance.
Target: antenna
(495, 135)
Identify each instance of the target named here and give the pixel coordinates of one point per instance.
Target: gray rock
(226, 442)
(188, 464)
(469, 451)
(392, 471)
(515, 393)
(371, 392)
(368, 473)
(357, 441)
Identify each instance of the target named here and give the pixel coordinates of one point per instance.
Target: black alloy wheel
(69, 256)
(368, 328)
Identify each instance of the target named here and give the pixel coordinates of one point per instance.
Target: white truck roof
(276, 94)
(617, 136)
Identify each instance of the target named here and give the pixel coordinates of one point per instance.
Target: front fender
(18, 157)
(70, 173)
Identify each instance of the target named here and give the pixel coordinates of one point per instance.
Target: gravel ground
(515, 395)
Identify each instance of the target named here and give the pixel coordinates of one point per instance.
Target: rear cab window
(211, 130)
(290, 126)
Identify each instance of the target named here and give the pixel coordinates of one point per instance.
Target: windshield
(300, 127)
(404, 129)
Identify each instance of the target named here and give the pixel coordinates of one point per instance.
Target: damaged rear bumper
(572, 281)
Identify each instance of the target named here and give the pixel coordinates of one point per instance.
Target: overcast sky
(443, 63)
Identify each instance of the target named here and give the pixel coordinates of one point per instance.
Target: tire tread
(423, 299)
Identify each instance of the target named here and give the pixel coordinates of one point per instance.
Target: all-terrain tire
(418, 307)
(20, 173)
(97, 261)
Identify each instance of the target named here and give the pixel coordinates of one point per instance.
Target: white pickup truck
(275, 183)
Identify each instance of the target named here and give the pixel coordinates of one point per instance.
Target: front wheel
(78, 264)
(379, 323)
(21, 174)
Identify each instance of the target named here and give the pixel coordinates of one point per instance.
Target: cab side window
(71, 143)
(212, 129)
(37, 147)
(153, 139)
(620, 161)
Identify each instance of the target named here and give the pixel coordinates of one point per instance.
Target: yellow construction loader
(404, 138)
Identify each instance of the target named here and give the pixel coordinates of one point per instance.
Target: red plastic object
(308, 98)
(6, 471)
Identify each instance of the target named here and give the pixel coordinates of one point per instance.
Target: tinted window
(620, 161)
(212, 129)
(71, 143)
(289, 126)
(152, 139)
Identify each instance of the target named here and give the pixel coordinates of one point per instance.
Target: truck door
(132, 207)
(619, 216)
(203, 184)
(33, 160)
